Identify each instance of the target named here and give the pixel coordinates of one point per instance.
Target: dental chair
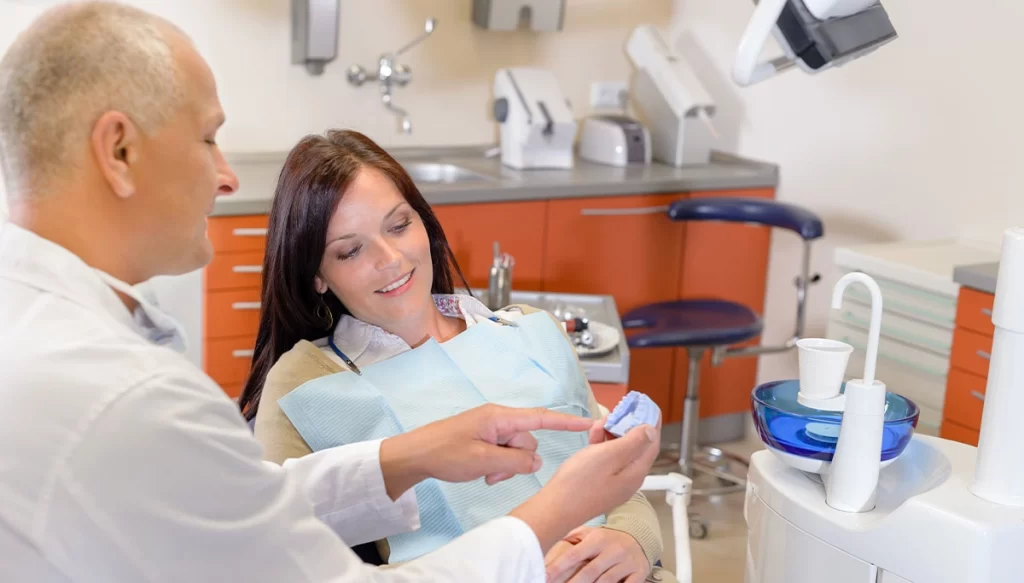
(716, 325)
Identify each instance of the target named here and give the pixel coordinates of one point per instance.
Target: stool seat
(699, 322)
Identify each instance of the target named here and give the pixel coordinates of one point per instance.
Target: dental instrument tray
(787, 426)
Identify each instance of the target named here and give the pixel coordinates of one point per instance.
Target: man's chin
(198, 257)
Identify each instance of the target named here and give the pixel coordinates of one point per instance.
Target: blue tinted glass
(784, 424)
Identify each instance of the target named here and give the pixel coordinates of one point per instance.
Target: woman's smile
(397, 287)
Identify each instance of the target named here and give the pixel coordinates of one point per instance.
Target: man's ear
(115, 146)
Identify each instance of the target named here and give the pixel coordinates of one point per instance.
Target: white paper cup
(822, 366)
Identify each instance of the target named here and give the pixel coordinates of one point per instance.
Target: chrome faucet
(390, 73)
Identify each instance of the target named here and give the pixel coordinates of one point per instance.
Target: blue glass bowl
(786, 425)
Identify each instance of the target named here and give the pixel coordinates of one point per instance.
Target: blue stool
(700, 325)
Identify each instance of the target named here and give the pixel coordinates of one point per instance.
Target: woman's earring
(322, 307)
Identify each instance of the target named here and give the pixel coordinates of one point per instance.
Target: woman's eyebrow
(386, 217)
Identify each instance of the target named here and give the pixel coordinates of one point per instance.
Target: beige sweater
(281, 441)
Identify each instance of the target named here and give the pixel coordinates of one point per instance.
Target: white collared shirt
(366, 344)
(120, 461)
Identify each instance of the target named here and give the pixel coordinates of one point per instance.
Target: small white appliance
(846, 492)
(670, 100)
(536, 126)
(615, 140)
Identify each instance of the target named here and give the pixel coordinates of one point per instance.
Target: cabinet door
(518, 227)
(729, 262)
(955, 432)
(634, 256)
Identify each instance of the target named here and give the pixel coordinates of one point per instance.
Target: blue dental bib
(529, 365)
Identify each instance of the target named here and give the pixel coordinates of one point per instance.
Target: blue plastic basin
(786, 425)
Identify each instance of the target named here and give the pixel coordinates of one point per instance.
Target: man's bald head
(71, 65)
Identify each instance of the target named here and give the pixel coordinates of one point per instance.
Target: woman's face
(377, 259)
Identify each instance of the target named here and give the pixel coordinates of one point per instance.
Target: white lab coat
(120, 461)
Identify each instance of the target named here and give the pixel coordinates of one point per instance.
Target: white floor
(720, 557)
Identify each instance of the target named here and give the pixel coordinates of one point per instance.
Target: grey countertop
(497, 183)
(981, 276)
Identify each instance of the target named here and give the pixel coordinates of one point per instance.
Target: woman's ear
(319, 285)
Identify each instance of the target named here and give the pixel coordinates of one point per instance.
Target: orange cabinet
(472, 229)
(974, 311)
(727, 262)
(968, 367)
(965, 398)
(231, 298)
(956, 432)
(623, 246)
(634, 256)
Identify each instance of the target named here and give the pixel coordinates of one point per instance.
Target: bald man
(119, 461)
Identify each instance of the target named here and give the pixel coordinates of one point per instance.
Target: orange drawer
(971, 351)
(955, 432)
(232, 313)
(965, 398)
(227, 360)
(974, 311)
(243, 233)
(243, 270)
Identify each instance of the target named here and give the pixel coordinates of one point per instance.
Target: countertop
(258, 176)
(981, 277)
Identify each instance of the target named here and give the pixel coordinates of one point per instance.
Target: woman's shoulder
(302, 363)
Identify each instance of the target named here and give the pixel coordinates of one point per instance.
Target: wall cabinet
(622, 246)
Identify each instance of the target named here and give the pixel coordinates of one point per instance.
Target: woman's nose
(388, 256)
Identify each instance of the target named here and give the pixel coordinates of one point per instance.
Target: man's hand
(593, 481)
(490, 441)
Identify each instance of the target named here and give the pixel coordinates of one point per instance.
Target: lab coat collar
(32, 260)
(357, 338)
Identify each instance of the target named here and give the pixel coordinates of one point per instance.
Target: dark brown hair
(315, 176)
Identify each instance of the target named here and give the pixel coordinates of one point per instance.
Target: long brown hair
(315, 176)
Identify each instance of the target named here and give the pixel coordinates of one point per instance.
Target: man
(119, 461)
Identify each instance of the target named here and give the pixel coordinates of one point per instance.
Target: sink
(437, 172)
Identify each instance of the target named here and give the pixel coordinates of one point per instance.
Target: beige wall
(271, 103)
(919, 140)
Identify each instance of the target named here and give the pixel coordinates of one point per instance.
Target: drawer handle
(984, 355)
(243, 353)
(986, 311)
(245, 306)
(247, 269)
(649, 210)
(254, 232)
(977, 395)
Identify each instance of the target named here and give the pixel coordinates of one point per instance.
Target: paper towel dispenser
(314, 33)
(542, 15)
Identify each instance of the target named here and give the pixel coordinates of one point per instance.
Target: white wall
(271, 103)
(916, 141)
(920, 140)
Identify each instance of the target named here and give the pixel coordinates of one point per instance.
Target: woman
(358, 272)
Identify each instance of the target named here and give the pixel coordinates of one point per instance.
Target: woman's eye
(348, 254)
(402, 227)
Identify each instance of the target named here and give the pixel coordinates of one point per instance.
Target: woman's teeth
(395, 285)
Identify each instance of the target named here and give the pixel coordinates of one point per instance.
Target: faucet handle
(428, 29)
(401, 75)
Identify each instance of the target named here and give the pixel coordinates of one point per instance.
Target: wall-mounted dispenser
(314, 33)
(543, 15)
